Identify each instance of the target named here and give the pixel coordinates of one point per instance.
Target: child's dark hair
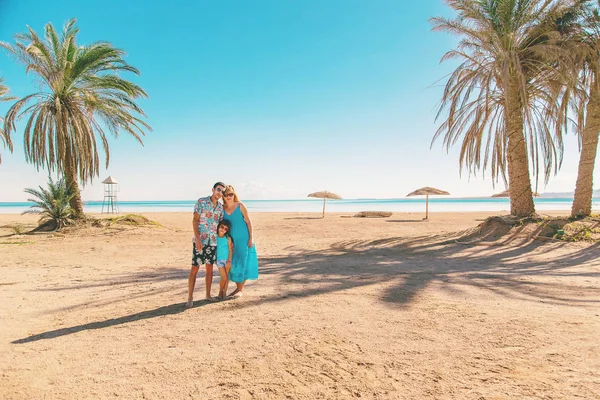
(226, 223)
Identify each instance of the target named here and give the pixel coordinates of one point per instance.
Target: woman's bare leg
(238, 290)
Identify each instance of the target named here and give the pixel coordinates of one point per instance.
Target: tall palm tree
(499, 99)
(4, 97)
(587, 108)
(82, 97)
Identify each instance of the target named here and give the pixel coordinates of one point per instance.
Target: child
(224, 253)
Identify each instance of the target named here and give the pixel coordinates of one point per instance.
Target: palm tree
(4, 97)
(52, 204)
(587, 108)
(82, 97)
(499, 99)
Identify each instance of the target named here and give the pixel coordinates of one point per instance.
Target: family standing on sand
(222, 237)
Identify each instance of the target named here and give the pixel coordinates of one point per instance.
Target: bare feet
(235, 294)
(189, 304)
(211, 299)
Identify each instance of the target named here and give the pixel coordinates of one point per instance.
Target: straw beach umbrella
(426, 191)
(324, 194)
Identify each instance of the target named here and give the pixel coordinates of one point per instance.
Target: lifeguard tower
(111, 188)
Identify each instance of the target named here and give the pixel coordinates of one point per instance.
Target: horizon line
(437, 197)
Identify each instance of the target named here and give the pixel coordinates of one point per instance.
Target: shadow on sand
(157, 312)
(406, 266)
(399, 269)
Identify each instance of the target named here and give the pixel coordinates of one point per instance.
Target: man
(207, 214)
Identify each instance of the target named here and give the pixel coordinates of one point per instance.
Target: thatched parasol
(506, 193)
(426, 191)
(324, 194)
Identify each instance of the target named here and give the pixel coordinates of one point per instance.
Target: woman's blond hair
(231, 189)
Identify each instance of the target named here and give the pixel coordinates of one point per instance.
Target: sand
(390, 308)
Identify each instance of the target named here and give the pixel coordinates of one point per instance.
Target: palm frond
(83, 98)
(4, 135)
(508, 45)
(52, 204)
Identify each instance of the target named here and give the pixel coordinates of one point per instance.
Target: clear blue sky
(278, 98)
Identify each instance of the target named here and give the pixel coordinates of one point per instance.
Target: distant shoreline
(362, 199)
(413, 204)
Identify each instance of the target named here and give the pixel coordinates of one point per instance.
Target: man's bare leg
(208, 279)
(191, 285)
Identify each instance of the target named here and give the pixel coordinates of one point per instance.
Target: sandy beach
(390, 308)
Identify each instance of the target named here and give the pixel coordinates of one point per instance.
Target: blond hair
(230, 189)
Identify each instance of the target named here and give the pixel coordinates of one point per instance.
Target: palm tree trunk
(71, 180)
(582, 201)
(519, 182)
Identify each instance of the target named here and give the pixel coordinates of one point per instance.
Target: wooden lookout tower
(110, 203)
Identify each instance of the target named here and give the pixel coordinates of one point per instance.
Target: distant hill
(557, 194)
(596, 193)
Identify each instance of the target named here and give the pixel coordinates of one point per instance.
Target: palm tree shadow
(128, 279)
(148, 314)
(25, 232)
(405, 267)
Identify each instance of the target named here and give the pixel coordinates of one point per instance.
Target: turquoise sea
(315, 205)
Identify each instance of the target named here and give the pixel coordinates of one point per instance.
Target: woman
(244, 263)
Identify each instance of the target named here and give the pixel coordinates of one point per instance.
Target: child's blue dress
(244, 263)
(222, 249)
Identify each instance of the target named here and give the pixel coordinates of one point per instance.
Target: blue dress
(222, 248)
(244, 263)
